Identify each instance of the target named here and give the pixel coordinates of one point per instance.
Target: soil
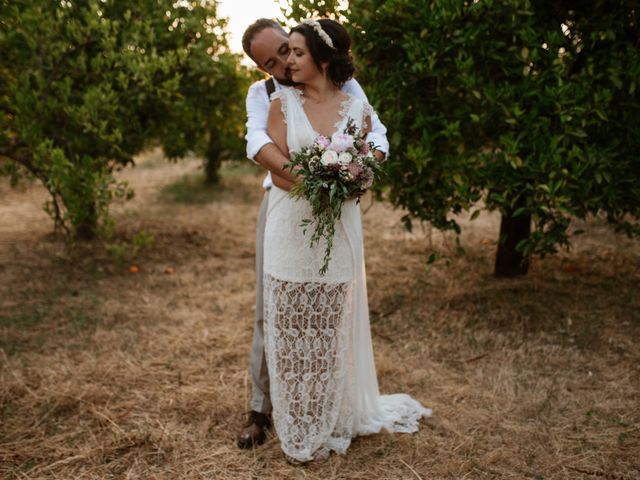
(128, 357)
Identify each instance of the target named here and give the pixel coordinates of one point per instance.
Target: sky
(242, 13)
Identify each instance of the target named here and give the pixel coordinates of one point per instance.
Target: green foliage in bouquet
(332, 171)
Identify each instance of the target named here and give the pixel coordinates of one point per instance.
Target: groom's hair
(254, 29)
(341, 67)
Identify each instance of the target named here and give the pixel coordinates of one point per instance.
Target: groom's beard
(287, 82)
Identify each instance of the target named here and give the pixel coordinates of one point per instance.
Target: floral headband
(315, 24)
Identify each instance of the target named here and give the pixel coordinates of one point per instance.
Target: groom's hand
(380, 155)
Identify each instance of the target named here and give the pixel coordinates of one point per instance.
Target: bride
(324, 389)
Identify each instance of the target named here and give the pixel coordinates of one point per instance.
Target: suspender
(271, 87)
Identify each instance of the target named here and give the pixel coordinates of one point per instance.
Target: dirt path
(105, 373)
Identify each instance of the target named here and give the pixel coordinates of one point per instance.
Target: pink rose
(323, 142)
(341, 142)
(355, 170)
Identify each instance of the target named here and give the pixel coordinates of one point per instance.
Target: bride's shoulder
(355, 103)
(358, 101)
(288, 90)
(285, 93)
(282, 101)
(278, 94)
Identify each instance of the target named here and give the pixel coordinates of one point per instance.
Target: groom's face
(270, 49)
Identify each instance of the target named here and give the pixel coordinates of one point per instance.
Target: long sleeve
(257, 105)
(378, 134)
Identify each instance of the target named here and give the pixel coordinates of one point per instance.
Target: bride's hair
(338, 57)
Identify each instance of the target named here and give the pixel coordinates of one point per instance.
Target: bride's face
(300, 62)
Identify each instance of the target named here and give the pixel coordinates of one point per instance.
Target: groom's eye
(284, 49)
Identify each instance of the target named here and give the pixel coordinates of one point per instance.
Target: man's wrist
(271, 158)
(256, 157)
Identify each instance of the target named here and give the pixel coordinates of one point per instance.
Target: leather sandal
(254, 432)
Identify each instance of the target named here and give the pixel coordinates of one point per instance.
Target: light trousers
(260, 401)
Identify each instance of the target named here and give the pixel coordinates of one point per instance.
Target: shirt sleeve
(378, 133)
(257, 105)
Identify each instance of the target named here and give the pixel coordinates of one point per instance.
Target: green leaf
(433, 258)
(489, 85)
(519, 211)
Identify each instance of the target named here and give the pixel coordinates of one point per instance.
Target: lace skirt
(318, 346)
(308, 333)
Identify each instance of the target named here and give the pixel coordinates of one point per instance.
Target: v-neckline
(345, 105)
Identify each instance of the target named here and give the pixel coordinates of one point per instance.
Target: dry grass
(110, 374)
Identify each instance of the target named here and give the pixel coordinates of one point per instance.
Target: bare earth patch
(106, 373)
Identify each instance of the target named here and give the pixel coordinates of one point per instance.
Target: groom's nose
(281, 63)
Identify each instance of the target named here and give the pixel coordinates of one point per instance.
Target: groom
(267, 44)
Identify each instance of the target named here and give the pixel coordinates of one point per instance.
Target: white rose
(344, 158)
(329, 157)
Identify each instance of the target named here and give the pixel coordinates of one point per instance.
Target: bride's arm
(277, 130)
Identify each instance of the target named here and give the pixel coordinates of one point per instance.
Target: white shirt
(258, 115)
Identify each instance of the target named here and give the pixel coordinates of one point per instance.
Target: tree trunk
(510, 262)
(81, 203)
(86, 231)
(212, 165)
(87, 226)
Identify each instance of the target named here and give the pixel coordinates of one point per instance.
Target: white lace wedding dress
(324, 389)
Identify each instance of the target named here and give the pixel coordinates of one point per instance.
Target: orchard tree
(299, 10)
(88, 84)
(208, 113)
(527, 107)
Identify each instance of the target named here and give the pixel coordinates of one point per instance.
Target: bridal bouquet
(333, 170)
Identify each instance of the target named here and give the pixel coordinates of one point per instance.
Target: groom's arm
(271, 158)
(378, 133)
(260, 147)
